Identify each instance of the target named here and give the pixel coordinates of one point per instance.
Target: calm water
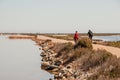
(108, 38)
(20, 60)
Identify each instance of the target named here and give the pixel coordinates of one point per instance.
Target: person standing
(90, 34)
(76, 37)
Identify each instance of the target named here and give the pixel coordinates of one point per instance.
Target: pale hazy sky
(59, 15)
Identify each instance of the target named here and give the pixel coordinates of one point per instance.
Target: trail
(113, 50)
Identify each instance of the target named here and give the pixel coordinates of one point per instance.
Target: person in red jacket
(76, 37)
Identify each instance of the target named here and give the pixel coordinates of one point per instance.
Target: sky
(60, 16)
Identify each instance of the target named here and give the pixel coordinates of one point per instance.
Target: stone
(40, 48)
(56, 76)
(45, 48)
(44, 65)
(43, 52)
(58, 63)
(42, 55)
(55, 70)
(50, 67)
(50, 79)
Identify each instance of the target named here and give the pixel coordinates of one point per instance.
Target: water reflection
(20, 60)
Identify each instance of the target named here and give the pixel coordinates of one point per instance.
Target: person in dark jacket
(76, 37)
(90, 34)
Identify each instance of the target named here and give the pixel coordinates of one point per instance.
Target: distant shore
(82, 34)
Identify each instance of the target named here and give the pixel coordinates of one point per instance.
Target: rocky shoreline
(80, 63)
(70, 68)
(55, 65)
(52, 64)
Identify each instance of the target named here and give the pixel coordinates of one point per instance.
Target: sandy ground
(53, 39)
(113, 50)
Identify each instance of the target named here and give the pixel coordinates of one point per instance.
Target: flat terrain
(113, 50)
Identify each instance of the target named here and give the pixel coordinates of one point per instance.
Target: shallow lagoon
(108, 38)
(20, 60)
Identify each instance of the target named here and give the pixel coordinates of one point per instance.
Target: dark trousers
(90, 36)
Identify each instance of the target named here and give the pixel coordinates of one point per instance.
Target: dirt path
(53, 39)
(113, 50)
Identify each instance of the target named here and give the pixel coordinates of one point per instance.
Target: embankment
(77, 62)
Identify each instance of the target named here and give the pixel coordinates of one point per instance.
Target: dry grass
(65, 37)
(110, 70)
(109, 43)
(58, 46)
(65, 50)
(102, 64)
(84, 43)
(94, 59)
(69, 52)
(114, 44)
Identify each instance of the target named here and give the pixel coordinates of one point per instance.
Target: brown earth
(113, 50)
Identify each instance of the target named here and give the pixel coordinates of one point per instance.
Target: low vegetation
(84, 43)
(100, 64)
(65, 37)
(108, 43)
(109, 70)
(114, 44)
